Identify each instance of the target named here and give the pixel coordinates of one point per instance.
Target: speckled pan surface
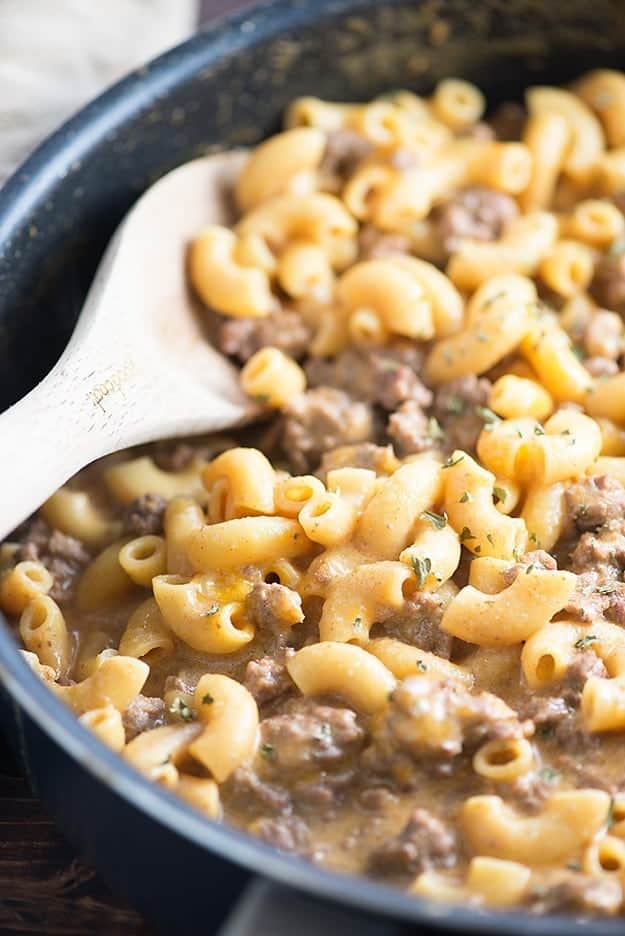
(228, 86)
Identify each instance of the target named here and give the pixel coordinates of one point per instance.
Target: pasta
(384, 623)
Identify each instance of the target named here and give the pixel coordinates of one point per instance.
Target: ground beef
(268, 679)
(538, 560)
(274, 607)
(378, 458)
(603, 336)
(574, 892)
(320, 792)
(592, 501)
(581, 668)
(431, 721)
(142, 714)
(386, 376)
(345, 150)
(286, 833)
(145, 515)
(283, 329)
(185, 682)
(245, 790)
(63, 556)
(309, 736)
(456, 407)
(558, 717)
(477, 131)
(601, 367)
(322, 419)
(424, 842)
(477, 213)
(417, 623)
(527, 792)
(508, 121)
(410, 429)
(374, 244)
(597, 596)
(608, 284)
(377, 799)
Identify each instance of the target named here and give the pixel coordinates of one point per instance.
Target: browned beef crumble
(538, 560)
(601, 366)
(608, 284)
(143, 714)
(145, 515)
(245, 790)
(287, 833)
(308, 736)
(63, 556)
(592, 501)
(574, 892)
(417, 623)
(283, 329)
(424, 842)
(431, 721)
(374, 244)
(322, 419)
(345, 150)
(274, 607)
(476, 213)
(457, 409)
(385, 376)
(410, 429)
(508, 121)
(267, 678)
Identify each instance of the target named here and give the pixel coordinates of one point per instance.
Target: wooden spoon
(138, 366)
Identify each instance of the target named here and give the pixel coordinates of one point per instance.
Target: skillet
(228, 86)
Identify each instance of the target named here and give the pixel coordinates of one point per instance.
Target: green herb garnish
(584, 642)
(438, 521)
(422, 568)
(180, 708)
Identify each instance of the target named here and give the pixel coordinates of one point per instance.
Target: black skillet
(228, 86)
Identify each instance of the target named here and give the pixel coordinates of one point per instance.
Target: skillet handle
(267, 909)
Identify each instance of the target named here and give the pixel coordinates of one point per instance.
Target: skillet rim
(21, 193)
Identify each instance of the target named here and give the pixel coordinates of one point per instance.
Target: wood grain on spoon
(138, 366)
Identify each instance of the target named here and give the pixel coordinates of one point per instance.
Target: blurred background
(55, 55)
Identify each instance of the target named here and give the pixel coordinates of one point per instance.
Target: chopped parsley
(207, 699)
(610, 819)
(493, 299)
(358, 625)
(465, 534)
(534, 539)
(262, 398)
(213, 608)
(545, 731)
(452, 462)
(574, 865)
(499, 494)
(607, 589)
(538, 430)
(267, 750)
(180, 708)
(585, 641)
(422, 568)
(549, 775)
(530, 568)
(421, 666)
(455, 405)
(466, 498)
(487, 414)
(438, 521)
(617, 247)
(434, 428)
(489, 537)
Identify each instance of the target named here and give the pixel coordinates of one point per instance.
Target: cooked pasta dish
(383, 627)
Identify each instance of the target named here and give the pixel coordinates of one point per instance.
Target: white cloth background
(57, 54)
